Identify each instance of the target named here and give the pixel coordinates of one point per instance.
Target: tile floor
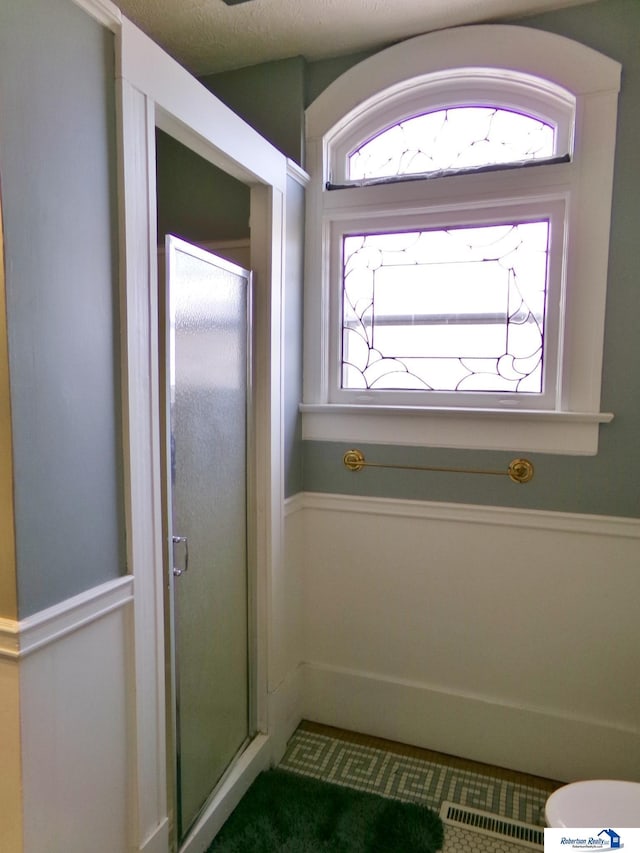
(407, 773)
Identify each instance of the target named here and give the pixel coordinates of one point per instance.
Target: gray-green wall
(269, 96)
(608, 483)
(58, 187)
(200, 203)
(57, 167)
(196, 200)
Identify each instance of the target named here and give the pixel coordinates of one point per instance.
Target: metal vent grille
(490, 824)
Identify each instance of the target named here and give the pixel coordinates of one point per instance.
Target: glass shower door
(208, 370)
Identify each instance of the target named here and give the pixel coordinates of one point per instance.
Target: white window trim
(516, 53)
(551, 209)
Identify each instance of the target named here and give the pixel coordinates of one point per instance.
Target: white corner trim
(295, 503)
(20, 638)
(297, 173)
(564, 522)
(103, 11)
(185, 109)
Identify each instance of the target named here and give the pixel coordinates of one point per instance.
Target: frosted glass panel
(208, 300)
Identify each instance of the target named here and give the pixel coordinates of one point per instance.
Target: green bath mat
(285, 812)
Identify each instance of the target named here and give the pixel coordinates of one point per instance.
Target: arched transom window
(449, 139)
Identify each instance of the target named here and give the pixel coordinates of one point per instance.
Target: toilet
(600, 802)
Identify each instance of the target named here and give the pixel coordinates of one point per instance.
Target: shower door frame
(154, 91)
(175, 651)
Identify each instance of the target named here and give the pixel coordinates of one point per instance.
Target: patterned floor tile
(458, 840)
(411, 779)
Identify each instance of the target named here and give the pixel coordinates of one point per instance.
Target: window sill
(572, 433)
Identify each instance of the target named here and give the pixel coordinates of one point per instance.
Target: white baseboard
(105, 12)
(547, 745)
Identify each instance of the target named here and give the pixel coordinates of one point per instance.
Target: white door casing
(154, 91)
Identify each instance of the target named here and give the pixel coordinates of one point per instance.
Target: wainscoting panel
(506, 636)
(72, 664)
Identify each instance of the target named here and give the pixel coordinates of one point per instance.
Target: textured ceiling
(207, 36)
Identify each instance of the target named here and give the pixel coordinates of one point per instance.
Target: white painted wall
(502, 635)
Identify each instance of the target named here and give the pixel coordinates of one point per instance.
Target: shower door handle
(181, 540)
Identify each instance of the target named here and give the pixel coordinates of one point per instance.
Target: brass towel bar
(519, 470)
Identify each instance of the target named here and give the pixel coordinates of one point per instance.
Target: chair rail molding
(21, 638)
